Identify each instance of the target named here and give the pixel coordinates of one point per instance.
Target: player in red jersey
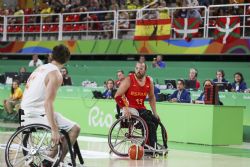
(131, 96)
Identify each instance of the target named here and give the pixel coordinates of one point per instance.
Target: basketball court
(95, 151)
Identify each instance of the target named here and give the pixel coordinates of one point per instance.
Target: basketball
(136, 152)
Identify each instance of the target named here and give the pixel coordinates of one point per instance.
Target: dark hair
(222, 72)
(64, 68)
(182, 81)
(131, 72)
(241, 76)
(61, 54)
(12, 89)
(206, 81)
(120, 71)
(110, 80)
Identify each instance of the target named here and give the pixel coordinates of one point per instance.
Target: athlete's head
(140, 70)
(61, 54)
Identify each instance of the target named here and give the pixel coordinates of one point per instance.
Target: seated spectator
(110, 91)
(163, 14)
(201, 98)
(18, 11)
(193, 13)
(123, 19)
(157, 91)
(133, 4)
(238, 85)
(204, 2)
(48, 58)
(15, 98)
(120, 76)
(158, 63)
(193, 73)
(220, 74)
(142, 59)
(23, 75)
(181, 95)
(66, 77)
(22, 70)
(35, 62)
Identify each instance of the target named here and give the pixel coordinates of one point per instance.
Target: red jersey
(137, 94)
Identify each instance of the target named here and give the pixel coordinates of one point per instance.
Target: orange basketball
(136, 152)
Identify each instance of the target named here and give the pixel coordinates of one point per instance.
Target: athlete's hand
(157, 116)
(174, 100)
(127, 113)
(55, 137)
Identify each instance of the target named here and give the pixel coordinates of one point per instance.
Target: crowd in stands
(103, 21)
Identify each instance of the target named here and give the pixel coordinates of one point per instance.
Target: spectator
(94, 5)
(133, 4)
(181, 13)
(120, 76)
(163, 14)
(157, 91)
(48, 58)
(220, 74)
(123, 19)
(22, 70)
(204, 2)
(181, 95)
(35, 62)
(15, 98)
(193, 13)
(110, 91)
(18, 11)
(201, 98)
(158, 63)
(238, 85)
(23, 75)
(66, 77)
(142, 59)
(193, 74)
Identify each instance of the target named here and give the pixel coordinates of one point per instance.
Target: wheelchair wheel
(125, 132)
(31, 146)
(162, 137)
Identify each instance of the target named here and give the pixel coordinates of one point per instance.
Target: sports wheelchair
(125, 132)
(31, 146)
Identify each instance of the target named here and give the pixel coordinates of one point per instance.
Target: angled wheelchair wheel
(31, 146)
(125, 132)
(162, 137)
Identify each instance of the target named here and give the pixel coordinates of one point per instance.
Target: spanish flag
(157, 29)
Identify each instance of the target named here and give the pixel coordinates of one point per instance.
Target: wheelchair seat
(31, 145)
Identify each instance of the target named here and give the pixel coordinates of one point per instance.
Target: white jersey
(34, 94)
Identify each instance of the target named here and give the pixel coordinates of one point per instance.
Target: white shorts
(62, 122)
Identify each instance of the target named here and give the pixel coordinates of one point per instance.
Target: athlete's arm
(125, 84)
(152, 100)
(52, 85)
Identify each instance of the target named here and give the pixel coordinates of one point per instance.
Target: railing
(89, 25)
(203, 15)
(1, 27)
(240, 10)
(125, 25)
(65, 26)
(109, 24)
(33, 27)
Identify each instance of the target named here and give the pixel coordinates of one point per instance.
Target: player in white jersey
(39, 96)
